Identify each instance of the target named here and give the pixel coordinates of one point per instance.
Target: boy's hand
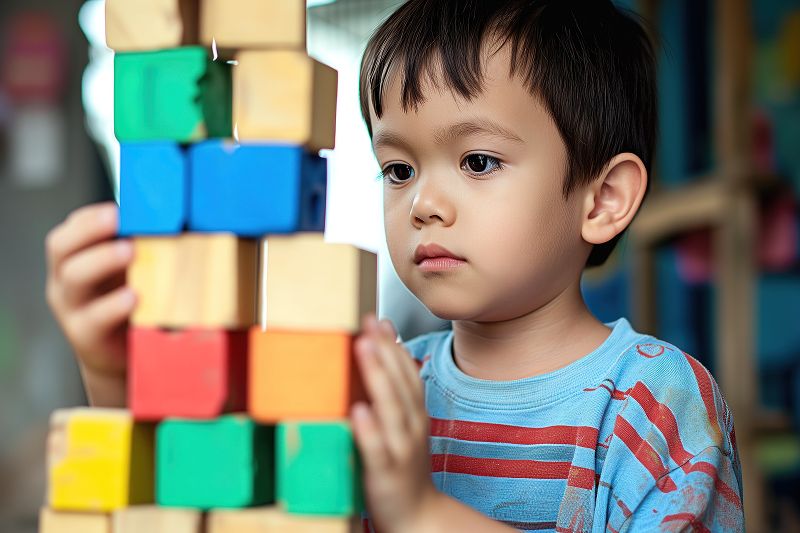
(87, 293)
(392, 434)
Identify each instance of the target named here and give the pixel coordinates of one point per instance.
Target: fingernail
(388, 328)
(107, 215)
(359, 411)
(366, 344)
(124, 249)
(128, 297)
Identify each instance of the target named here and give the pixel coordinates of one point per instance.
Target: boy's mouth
(433, 256)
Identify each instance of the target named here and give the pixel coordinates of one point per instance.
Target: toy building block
(254, 23)
(273, 520)
(150, 24)
(99, 460)
(154, 519)
(190, 373)
(256, 189)
(318, 469)
(302, 375)
(284, 96)
(313, 285)
(225, 462)
(51, 521)
(194, 280)
(171, 95)
(154, 188)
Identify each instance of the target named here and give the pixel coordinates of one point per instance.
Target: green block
(173, 95)
(225, 462)
(318, 469)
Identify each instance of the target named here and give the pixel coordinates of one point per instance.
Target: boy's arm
(392, 435)
(103, 389)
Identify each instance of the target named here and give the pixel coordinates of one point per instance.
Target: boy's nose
(431, 205)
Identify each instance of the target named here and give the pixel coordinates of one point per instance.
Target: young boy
(515, 140)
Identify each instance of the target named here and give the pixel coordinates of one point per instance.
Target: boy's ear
(613, 198)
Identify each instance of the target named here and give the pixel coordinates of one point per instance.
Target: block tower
(241, 370)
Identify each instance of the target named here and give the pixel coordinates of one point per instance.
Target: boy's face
(493, 199)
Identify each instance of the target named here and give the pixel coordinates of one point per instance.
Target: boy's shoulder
(664, 387)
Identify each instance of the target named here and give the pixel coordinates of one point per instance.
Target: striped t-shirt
(634, 436)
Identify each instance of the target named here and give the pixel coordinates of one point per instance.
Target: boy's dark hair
(590, 64)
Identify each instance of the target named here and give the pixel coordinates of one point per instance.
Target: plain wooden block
(194, 280)
(225, 462)
(311, 285)
(189, 373)
(51, 521)
(99, 460)
(273, 520)
(284, 96)
(155, 519)
(153, 188)
(319, 472)
(302, 375)
(178, 94)
(255, 189)
(254, 23)
(150, 24)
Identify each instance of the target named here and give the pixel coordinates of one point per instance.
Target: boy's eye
(398, 173)
(481, 164)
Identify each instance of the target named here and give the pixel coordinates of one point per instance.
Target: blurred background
(712, 262)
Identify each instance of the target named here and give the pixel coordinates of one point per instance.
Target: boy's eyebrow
(447, 134)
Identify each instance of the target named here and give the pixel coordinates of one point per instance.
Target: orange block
(302, 375)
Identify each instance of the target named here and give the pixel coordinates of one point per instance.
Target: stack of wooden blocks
(241, 370)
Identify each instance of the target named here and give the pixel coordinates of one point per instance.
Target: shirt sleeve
(704, 495)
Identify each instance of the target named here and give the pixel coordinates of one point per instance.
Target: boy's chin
(451, 308)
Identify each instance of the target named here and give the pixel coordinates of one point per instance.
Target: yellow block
(308, 284)
(199, 280)
(254, 23)
(285, 96)
(99, 460)
(51, 521)
(273, 520)
(150, 24)
(154, 519)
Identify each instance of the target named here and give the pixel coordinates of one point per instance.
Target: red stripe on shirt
(723, 488)
(690, 519)
(513, 468)
(583, 436)
(707, 394)
(664, 419)
(645, 454)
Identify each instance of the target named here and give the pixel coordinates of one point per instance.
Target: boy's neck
(550, 337)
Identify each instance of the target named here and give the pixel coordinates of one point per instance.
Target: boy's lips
(436, 257)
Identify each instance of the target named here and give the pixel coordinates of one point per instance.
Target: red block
(192, 373)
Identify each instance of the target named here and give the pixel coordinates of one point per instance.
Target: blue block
(256, 189)
(153, 188)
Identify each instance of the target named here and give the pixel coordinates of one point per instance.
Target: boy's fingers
(392, 356)
(410, 371)
(102, 315)
(386, 325)
(82, 273)
(369, 439)
(406, 366)
(385, 404)
(82, 228)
